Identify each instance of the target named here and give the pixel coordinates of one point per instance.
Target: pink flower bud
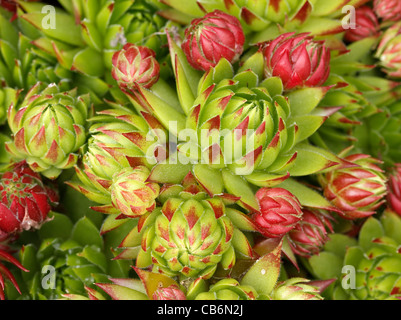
(367, 25)
(356, 191)
(297, 59)
(135, 65)
(394, 189)
(388, 10)
(279, 212)
(25, 202)
(170, 293)
(215, 36)
(310, 234)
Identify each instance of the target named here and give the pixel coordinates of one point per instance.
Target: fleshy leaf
(263, 275)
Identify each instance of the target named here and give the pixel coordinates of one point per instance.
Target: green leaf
(371, 229)
(311, 160)
(90, 62)
(263, 275)
(60, 226)
(209, 178)
(86, 233)
(66, 30)
(306, 196)
(94, 256)
(169, 173)
(239, 187)
(303, 101)
(339, 243)
(29, 260)
(255, 63)
(392, 225)
(326, 265)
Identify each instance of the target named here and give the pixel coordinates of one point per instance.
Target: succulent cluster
(200, 150)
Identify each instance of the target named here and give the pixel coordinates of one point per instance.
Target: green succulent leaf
(86, 233)
(263, 275)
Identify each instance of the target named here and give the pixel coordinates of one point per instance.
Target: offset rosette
(217, 35)
(356, 191)
(389, 51)
(135, 65)
(297, 59)
(25, 200)
(48, 126)
(367, 25)
(131, 193)
(387, 10)
(189, 237)
(280, 212)
(310, 234)
(119, 139)
(295, 289)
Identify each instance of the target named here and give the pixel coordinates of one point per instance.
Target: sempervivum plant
(367, 25)
(357, 191)
(239, 123)
(88, 33)
(280, 212)
(208, 39)
(48, 126)
(388, 10)
(297, 60)
(131, 193)
(389, 51)
(25, 200)
(367, 268)
(190, 235)
(119, 139)
(311, 234)
(66, 258)
(135, 65)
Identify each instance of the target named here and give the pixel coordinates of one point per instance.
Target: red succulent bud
(297, 59)
(356, 191)
(170, 293)
(279, 212)
(135, 65)
(394, 189)
(367, 25)
(388, 10)
(25, 202)
(215, 36)
(310, 234)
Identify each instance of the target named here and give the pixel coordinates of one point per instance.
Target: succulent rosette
(190, 236)
(367, 268)
(135, 65)
(94, 30)
(367, 25)
(297, 59)
(295, 289)
(388, 51)
(25, 200)
(309, 236)
(131, 193)
(66, 261)
(387, 10)
(280, 211)
(119, 139)
(48, 126)
(208, 39)
(357, 191)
